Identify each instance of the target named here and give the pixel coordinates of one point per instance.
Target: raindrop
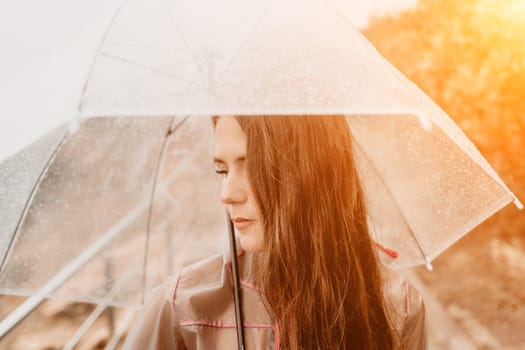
(74, 126)
(425, 123)
(428, 264)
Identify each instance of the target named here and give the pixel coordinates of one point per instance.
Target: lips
(241, 222)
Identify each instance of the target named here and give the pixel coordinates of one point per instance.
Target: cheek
(255, 208)
(254, 240)
(252, 202)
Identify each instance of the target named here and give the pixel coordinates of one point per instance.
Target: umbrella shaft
(236, 286)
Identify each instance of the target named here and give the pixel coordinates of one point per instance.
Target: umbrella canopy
(257, 57)
(47, 50)
(83, 232)
(80, 204)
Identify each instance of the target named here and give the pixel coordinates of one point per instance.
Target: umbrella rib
(124, 326)
(29, 200)
(234, 28)
(420, 248)
(90, 320)
(230, 33)
(183, 18)
(94, 60)
(373, 51)
(170, 131)
(252, 32)
(137, 65)
(87, 255)
(406, 84)
(168, 48)
(186, 44)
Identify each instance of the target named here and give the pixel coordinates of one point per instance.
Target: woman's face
(236, 192)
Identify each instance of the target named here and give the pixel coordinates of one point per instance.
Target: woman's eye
(221, 172)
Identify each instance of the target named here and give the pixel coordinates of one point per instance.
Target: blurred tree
(469, 56)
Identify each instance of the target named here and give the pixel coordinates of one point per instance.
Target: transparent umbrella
(115, 206)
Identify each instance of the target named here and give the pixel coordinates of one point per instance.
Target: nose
(233, 190)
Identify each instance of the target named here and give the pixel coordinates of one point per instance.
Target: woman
(310, 274)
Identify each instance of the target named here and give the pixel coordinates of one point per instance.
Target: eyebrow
(237, 160)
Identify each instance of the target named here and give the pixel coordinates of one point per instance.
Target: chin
(249, 244)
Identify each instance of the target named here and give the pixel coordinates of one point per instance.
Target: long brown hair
(319, 272)
(318, 269)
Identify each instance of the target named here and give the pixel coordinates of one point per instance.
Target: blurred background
(469, 56)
